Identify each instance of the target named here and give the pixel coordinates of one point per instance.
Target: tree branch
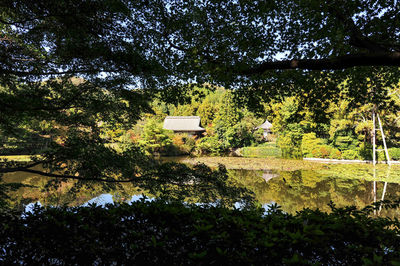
(357, 38)
(336, 63)
(26, 170)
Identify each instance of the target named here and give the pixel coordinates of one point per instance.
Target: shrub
(177, 140)
(290, 143)
(155, 139)
(309, 143)
(365, 151)
(335, 154)
(322, 151)
(209, 145)
(394, 153)
(350, 155)
(147, 233)
(184, 143)
(345, 142)
(381, 155)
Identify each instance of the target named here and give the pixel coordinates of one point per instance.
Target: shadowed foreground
(174, 233)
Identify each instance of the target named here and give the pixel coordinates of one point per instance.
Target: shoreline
(344, 161)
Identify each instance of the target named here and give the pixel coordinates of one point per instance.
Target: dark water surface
(313, 188)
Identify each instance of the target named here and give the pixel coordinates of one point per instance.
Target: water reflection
(293, 190)
(268, 175)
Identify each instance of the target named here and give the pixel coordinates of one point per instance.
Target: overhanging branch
(336, 63)
(108, 180)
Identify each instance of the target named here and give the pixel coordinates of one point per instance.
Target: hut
(184, 124)
(266, 127)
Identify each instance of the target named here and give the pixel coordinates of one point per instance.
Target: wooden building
(184, 124)
(266, 127)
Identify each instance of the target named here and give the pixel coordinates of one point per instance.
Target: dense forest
(340, 130)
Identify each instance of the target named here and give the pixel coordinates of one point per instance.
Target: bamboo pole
(384, 188)
(374, 196)
(384, 141)
(373, 137)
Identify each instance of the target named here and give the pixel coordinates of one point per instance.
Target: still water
(293, 187)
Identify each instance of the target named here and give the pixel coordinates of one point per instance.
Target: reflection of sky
(104, 199)
(101, 200)
(267, 206)
(30, 206)
(107, 198)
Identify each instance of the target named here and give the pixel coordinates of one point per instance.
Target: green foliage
(184, 143)
(228, 114)
(335, 154)
(290, 141)
(350, 155)
(207, 111)
(394, 153)
(239, 135)
(365, 151)
(345, 142)
(148, 232)
(322, 151)
(210, 145)
(309, 143)
(155, 139)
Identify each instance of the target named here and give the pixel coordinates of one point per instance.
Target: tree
(263, 49)
(267, 49)
(155, 139)
(44, 47)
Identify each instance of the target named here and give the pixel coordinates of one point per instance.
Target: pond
(292, 184)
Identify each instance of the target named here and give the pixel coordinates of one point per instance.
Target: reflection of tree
(196, 184)
(295, 190)
(51, 192)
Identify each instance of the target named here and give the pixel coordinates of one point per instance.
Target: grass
(254, 163)
(261, 152)
(18, 158)
(344, 171)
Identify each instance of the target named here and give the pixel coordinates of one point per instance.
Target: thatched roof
(183, 123)
(265, 125)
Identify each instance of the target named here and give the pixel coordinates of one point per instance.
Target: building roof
(183, 123)
(265, 125)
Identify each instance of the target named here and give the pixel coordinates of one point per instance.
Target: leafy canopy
(263, 49)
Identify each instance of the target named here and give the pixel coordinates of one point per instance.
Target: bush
(335, 154)
(309, 143)
(394, 153)
(365, 151)
(148, 233)
(209, 145)
(290, 143)
(322, 151)
(155, 139)
(381, 155)
(345, 142)
(350, 155)
(184, 143)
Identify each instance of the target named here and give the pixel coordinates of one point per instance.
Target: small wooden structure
(184, 124)
(266, 127)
